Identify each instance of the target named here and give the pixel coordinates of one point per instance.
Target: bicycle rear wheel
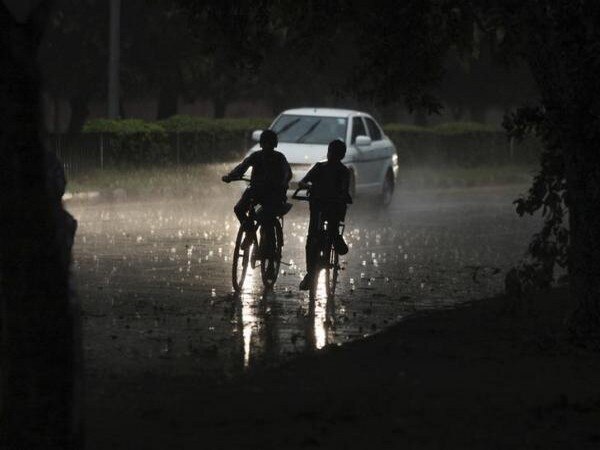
(271, 256)
(331, 273)
(241, 256)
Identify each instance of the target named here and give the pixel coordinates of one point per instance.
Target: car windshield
(310, 129)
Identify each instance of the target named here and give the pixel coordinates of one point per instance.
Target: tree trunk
(122, 114)
(583, 180)
(37, 354)
(168, 102)
(79, 112)
(219, 107)
(168, 96)
(584, 265)
(565, 66)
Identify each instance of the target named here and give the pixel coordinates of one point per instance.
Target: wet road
(153, 278)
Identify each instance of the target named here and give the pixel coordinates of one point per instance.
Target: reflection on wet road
(154, 278)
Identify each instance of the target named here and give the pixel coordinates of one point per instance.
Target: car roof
(324, 112)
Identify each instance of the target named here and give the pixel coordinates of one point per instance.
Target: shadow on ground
(471, 377)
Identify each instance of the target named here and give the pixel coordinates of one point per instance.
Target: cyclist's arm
(239, 170)
(346, 186)
(288, 172)
(310, 175)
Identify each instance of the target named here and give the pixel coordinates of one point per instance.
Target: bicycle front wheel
(271, 255)
(241, 256)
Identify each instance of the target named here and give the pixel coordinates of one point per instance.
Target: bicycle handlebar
(295, 195)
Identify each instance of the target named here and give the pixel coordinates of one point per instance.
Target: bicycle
(328, 257)
(249, 248)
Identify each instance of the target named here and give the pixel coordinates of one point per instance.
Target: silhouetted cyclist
(269, 181)
(329, 184)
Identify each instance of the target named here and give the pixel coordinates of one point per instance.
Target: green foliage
(232, 40)
(121, 126)
(459, 144)
(182, 123)
(190, 139)
(547, 194)
(176, 124)
(449, 128)
(560, 40)
(244, 124)
(73, 54)
(179, 139)
(130, 142)
(389, 128)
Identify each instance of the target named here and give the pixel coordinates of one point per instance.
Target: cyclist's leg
(243, 205)
(341, 246)
(312, 244)
(266, 217)
(336, 213)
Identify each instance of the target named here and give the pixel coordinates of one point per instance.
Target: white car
(304, 134)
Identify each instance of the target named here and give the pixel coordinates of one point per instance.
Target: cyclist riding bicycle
(329, 184)
(269, 181)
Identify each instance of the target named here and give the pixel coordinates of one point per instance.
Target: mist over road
(153, 277)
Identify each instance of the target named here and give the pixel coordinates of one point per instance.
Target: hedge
(212, 126)
(179, 139)
(122, 126)
(186, 139)
(460, 144)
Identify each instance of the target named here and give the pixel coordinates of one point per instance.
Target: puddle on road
(154, 279)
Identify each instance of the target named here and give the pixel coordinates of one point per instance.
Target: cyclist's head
(336, 150)
(268, 140)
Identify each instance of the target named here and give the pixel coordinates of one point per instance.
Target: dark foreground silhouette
(474, 377)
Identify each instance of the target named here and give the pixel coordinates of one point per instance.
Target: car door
(366, 168)
(380, 151)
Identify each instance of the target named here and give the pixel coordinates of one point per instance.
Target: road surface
(153, 277)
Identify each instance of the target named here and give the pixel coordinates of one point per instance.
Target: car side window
(358, 128)
(374, 130)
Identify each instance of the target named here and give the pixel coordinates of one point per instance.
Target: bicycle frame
(322, 224)
(269, 246)
(328, 257)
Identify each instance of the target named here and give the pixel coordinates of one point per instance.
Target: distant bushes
(176, 124)
(122, 126)
(459, 144)
(186, 139)
(179, 139)
(128, 141)
(223, 127)
(449, 128)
